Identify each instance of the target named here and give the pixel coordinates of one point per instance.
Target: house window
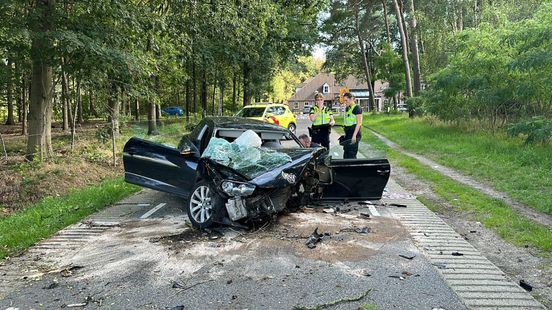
(296, 105)
(326, 88)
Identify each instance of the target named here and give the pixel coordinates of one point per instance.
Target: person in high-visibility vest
(322, 119)
(353, 125)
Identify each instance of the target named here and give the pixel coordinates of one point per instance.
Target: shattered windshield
(251, 112)
(246, 158)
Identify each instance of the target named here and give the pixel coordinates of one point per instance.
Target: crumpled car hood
(281, 176)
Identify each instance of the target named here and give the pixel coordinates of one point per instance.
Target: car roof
(242, 123)
(264, 105)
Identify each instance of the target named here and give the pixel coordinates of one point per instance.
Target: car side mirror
(187, 152)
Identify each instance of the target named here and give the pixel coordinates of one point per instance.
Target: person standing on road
(322, 119)
(353, 125)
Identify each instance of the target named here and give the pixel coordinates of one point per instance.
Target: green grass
(25, 228)
(521, 171)
(493, 213)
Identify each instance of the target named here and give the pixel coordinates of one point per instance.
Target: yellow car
(272, 113)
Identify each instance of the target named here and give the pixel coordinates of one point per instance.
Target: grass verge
(493, 213)
(522, 171)
(41, 220)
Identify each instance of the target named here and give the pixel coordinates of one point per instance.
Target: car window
(204, 137)
(251, 112)
(270, 110)
(279, 110)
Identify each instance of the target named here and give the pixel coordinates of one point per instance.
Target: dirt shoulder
(517, 263)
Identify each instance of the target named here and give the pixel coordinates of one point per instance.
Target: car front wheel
(292, 127)
(204, 205)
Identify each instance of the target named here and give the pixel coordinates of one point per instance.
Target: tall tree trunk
(123, 103)
(406, 34)
(39, 142)
(4, 147)
(414, 49)
(188, 100)
(73, 121)
(367, 72)
(66, 107)
(80, 117)
(221, 96)
(234, 98)
(91, 108)
(204, 93)
(152, 123)
(246, 84)
(158, 105)
(136, 110)
(194, 97)
(238, 88)
(158, 114)
(9, 93)
(20, 95)
(214, 96)
(404, 49)
(114, 107)
(24, 106)
(386, 20)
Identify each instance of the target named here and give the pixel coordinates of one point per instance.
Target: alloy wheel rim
(201, 205)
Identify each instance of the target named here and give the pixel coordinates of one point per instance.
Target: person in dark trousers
(322, 119)
(353, 125)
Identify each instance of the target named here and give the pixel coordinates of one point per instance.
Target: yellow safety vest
(350, 118)
(322, 118)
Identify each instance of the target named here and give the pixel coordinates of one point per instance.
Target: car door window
(270, 110)
(279, 111)
(204, 137)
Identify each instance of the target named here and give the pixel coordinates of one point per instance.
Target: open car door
(160, 167)
(357, 179)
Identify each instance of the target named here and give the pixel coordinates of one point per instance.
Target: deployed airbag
(251, 161)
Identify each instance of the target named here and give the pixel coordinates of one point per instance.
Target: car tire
(204, 205)
(292, 127)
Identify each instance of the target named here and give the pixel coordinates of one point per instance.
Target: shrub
(537, 130)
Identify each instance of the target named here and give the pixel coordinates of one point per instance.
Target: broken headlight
(237, 189)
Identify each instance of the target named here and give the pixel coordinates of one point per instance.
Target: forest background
(65, 64)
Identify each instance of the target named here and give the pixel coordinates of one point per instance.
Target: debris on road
(82, 304)
(65, 271)
(457, 254)
(526, 286)
(335, 302)
(51, 286)
(407, 256)
(182, 288)
(365, 215)
(313, 239)
(398, 205)
(363, 230)
(177, 285)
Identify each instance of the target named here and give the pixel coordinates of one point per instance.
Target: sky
(319, 52)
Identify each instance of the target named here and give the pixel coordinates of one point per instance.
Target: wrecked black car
(235, 170)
